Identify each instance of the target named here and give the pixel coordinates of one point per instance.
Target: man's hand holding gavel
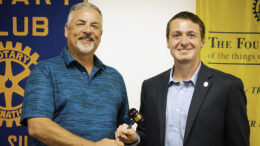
(126, 133)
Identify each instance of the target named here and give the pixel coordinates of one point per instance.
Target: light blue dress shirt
(178, 102)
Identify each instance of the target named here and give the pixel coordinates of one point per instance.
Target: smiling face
(185, 41)
(84, 31)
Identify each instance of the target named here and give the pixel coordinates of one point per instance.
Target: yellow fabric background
(233, 46)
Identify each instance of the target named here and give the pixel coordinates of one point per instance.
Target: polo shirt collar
(69, 60)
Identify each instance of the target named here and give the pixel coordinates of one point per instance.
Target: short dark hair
(190, 16)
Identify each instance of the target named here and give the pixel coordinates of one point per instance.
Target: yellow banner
(233, 46)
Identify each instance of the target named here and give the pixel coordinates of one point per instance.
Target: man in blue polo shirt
(74, 99)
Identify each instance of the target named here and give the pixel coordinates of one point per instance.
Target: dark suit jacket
(217, 114)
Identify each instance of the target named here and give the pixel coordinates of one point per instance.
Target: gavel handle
(131, 124)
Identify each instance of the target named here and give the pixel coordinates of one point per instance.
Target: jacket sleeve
(238, 130)
(141, 130)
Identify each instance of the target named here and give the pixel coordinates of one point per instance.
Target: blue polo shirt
(89, 106)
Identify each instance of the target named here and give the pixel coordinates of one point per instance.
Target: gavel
(135, 117)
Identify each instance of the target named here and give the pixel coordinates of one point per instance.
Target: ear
(167, 41)
(203, 43)
(66, 31)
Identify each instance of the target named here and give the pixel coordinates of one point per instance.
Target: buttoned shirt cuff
(136, 143)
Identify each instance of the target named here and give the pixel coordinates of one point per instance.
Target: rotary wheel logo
(256, 9)
(14, 69)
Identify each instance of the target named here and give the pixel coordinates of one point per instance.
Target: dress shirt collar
(192, 80)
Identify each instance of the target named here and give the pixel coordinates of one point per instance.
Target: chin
(85, 48)
(183, 60)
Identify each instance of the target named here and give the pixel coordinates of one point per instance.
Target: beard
(85, 48)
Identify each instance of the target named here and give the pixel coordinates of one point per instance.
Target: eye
(95, 26)
(175, 35)
(80, 24)
(191, 35)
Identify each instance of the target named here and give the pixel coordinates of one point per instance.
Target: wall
(134, 40)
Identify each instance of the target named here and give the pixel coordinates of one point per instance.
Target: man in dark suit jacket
(190, 104)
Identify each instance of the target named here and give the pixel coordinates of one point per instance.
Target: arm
(50, 133)
(130, 136)
(141, 130)
(39, 109)
(238, 130)
(124, 108)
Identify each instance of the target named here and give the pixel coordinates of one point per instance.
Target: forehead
(180, 24)
(86, 14)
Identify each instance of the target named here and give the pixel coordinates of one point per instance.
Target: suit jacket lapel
(202, 87)
(162, 105)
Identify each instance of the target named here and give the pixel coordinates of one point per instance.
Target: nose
(87, 29)
(184, 41)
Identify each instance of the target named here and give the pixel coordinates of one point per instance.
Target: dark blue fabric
(89, 106)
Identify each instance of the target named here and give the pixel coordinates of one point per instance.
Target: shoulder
(224, 77)
(162, 77)
(45, 69)
(112, 71)
(113, 75)
(49, 64)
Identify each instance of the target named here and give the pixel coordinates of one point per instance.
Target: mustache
(87, 36)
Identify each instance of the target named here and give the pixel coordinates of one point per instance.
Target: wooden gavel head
(134, 115)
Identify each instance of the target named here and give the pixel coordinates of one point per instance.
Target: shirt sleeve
(38, 99)
(123, 111)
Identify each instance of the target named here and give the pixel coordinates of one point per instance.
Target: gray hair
(79, 6)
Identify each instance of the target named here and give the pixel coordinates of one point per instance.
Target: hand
(126, 135)
(109, 142)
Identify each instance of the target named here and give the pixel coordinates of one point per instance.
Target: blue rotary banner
(30, 31)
